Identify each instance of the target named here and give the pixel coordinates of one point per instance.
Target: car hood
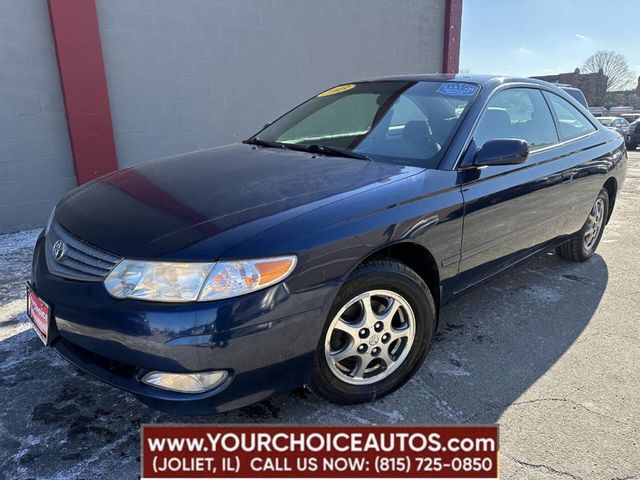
(200, 204)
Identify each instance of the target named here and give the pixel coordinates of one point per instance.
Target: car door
(585, 162)
(510, 210)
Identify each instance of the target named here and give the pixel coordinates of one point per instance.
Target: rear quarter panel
(597, 158)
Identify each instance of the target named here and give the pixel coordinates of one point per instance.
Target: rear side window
(571, 123)
(520, 113)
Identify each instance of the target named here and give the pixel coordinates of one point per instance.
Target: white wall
(36, 166)
(189, 74)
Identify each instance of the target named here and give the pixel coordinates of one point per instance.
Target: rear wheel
(377, 334)
(582, 245)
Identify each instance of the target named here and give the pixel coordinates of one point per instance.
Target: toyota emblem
(59, 250)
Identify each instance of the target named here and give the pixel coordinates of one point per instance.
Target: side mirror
(506, 151)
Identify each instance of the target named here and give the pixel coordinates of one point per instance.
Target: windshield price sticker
(457, 89)
(339, 89)
(259, 451)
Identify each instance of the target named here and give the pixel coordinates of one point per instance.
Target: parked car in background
(630, 117)
(634, 135)
(320, 250)
(577, 94)
(618, 124)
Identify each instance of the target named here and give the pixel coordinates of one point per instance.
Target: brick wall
(36, 166)
(593, 85)
(624, 98)
(190, 74)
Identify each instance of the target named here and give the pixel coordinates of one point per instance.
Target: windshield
(403, 122)
(606, 121)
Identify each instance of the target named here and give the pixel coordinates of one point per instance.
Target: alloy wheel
(370, 337)
(594, 225)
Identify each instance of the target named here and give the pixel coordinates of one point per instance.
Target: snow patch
(12, 243)
(545, 294)
(438, 367)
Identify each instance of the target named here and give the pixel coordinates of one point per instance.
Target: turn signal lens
(230, 279)
(271, 271)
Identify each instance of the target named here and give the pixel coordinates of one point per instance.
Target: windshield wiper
(313, 148)
(264, 143)
(335, 151)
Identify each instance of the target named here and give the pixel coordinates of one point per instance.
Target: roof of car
(459, 77)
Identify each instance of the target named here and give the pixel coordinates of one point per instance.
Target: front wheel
(376, 335)
(582, 245)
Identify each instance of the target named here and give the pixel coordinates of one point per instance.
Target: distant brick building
(594, 87)
(624, 98)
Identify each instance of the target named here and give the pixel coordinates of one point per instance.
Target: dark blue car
(319, 251)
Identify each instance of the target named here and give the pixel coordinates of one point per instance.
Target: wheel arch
(611, 185)
(416, 257)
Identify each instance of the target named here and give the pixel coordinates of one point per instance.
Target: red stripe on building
(452, 27)
(76, 37)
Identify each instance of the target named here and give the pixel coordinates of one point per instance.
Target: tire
(632, 146)
(363, 376)
(581, 246)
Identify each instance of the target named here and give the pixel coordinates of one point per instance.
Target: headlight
(189, 282)
(157, 281)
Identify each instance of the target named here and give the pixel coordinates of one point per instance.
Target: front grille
(79, 261)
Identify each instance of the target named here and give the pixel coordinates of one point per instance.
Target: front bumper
(265, 340)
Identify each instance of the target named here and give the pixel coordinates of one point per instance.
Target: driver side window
(520, 113)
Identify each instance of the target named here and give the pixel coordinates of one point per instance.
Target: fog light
(186, 382)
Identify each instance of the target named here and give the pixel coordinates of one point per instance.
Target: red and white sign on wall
(272, 451)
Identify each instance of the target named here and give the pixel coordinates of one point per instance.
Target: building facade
(594, 87)
(88, 86)
(624, 98)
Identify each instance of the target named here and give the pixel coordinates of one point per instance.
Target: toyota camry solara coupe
(319, 251)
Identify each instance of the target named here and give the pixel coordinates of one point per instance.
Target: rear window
(571, 122)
